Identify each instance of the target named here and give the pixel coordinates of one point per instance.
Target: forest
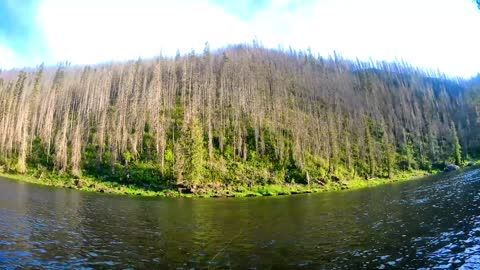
(242, 115)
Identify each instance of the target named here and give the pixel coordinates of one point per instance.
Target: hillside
(243, 115)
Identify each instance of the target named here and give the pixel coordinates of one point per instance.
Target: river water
(431, 223)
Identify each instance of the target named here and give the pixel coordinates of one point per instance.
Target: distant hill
(235, 116)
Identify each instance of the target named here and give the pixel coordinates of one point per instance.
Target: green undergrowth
(400, 177)
(96, 185)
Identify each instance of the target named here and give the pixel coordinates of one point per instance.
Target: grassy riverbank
(96, 185)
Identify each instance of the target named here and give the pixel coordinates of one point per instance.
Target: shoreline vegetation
(243, 120)
(98, 186)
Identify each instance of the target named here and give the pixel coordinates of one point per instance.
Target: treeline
(235, 116)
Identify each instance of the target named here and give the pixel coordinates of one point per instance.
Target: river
(430, 223)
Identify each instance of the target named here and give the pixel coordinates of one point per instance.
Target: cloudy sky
(434, 34)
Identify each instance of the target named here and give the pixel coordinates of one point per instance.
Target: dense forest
(241, 115)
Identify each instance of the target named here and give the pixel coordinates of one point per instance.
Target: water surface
(432, 223)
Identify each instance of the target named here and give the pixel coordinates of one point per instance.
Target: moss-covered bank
(95, 185)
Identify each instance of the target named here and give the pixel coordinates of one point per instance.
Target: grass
(90, 184)
(400, 177)
(95, 185)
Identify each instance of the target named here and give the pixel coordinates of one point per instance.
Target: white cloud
(428, 33)
(10, 59)
(91, 31)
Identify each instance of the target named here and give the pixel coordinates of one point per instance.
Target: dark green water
(433, 223)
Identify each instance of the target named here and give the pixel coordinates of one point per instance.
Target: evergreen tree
(457, 150)
(370, 147)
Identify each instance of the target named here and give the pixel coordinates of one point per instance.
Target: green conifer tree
(457, 150)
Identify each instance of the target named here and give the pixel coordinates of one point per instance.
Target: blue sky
(433, 34)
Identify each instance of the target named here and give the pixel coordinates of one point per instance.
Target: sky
(433, 34)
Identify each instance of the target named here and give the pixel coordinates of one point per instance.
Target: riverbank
(94, 185)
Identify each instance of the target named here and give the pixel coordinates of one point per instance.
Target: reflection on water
(432, 223)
